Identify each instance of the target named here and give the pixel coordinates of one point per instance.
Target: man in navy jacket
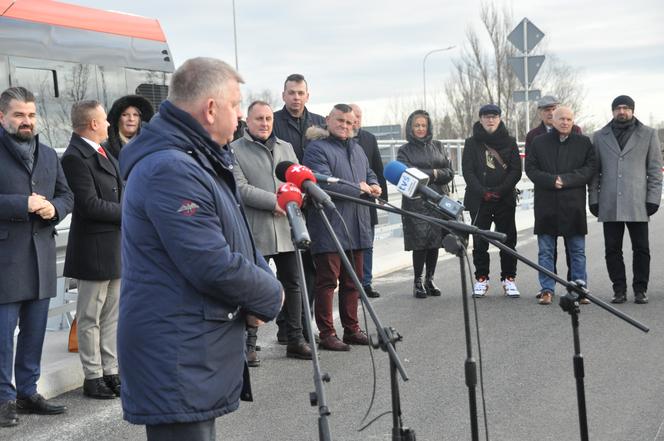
(334, 152)
(34, 197)
(192, 276)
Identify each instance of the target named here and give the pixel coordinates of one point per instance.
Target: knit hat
(622, 100)
(489, 109)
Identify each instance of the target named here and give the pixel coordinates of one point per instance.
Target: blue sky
(371, 51)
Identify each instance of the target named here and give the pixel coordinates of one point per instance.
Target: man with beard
(625, 193)
(34, 197)
(561, 164)
(491, 169)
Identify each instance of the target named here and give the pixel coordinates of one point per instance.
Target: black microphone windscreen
(280, 170)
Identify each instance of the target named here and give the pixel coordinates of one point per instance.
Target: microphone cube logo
(407, 185)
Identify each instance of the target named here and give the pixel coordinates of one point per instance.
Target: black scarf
(25, 149)
(269, 142)
(623, 130)
(499, 139)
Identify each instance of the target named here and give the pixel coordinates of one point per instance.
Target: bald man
(560, 164)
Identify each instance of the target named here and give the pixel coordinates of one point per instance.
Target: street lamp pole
(235, 37)
(424, 70)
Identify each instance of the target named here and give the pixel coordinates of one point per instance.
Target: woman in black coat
(125, 118)
(421, 237)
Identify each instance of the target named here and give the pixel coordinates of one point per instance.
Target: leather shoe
(584, 301)
(96, 388)
(113, 383)
(252, 358)
(418, 289)
(300, 350)
(546, 298)
(8, 416)
(370, 292)
(37, 404)
(640, 298)
(430, 288)
(619, 297)
(358, 338)
(332, 343)
(282, 337)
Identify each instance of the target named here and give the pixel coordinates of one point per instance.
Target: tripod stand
(387, 338)
(576, 291)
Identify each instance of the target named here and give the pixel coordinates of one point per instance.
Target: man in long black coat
(369, 144)
(561, 164)
(93, 249)
(34, 197)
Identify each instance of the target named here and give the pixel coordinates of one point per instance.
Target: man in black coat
(561, 164)
(492, 168)
(293, 120)
(369, 144)
(290, 125)
(93, 249)
(34, 197)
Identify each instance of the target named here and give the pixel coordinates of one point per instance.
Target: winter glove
(651, 208)
(491, 196)
(594, 209)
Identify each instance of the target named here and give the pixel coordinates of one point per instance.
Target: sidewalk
(62, 372)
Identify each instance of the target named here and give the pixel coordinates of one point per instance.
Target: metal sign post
(525, 36)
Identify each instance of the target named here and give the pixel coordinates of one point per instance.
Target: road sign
(534, 65)
(519, 96)
(525, 36)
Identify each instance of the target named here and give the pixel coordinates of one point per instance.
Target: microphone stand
(569, 303)
(316, 398)
(387, 338)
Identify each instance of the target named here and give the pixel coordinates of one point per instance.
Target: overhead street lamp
(424, 69)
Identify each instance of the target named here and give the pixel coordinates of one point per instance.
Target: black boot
(418, 288)
(431, 289)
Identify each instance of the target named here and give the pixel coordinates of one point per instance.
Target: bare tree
(481, 76)
(267, 95)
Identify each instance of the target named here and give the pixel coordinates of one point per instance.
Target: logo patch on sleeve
(188, 208)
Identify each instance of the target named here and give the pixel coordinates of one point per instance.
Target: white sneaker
(509, 286)
(481, 287)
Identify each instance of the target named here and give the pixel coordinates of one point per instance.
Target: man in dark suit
(34, 197)
(93, 249)
(369, 144)
(290, 125)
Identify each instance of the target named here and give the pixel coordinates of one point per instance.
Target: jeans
(31, 317)
(613, 245)
(576, 247)
(368, 261)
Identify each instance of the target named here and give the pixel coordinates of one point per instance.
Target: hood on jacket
(314, 133)
(144, 107)
(171, 128)
(409, 128)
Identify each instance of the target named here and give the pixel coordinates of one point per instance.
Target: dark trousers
(329, 270)
(31, 317)
(288, 275)
(613, 244)
(502, 215)
(310, 283)
(198, 431)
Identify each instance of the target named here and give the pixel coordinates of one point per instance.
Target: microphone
(411, 181)
(304, 179)
(289, 198)
(325, 179)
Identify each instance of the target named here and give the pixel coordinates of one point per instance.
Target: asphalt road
(529, 385)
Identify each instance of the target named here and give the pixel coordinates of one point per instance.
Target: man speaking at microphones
(256, 154)
(333, 152)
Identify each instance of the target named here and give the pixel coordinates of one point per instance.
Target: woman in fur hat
(125, 118)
